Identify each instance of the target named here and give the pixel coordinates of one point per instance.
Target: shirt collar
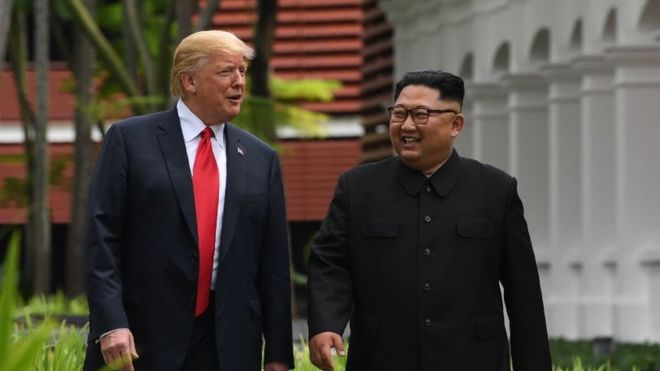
(192, 126)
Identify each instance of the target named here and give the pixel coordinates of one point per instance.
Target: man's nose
(408, 123)
(239, 79)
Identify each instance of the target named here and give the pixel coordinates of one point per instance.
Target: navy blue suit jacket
(141, 252)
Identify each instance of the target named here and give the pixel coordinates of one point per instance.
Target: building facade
(565, 96)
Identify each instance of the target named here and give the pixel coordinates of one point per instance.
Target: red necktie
(206, 184)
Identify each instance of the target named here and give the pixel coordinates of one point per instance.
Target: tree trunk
(206, 15)
(39, 206)
(140, 42)
(264, 35)
(184, 13)
(130, 53)
(102, 45)
(164, 57)
(18, 54)
(83, 70)
(5, 12)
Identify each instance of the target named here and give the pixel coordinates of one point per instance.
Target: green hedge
(624, 356)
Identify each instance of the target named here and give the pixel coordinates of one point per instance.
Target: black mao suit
(141, 256)
(416, 264)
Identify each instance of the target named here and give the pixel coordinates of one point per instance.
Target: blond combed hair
(195, 49)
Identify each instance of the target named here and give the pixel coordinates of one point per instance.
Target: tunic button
(427, 286)
(427, 322)
(427, 252)
(428, 188)
(427, 218)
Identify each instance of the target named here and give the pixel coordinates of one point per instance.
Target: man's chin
(409, 156)
(410, 159)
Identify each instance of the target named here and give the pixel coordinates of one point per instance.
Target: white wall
(579, 125)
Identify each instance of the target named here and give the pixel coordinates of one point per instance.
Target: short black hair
(450, 86)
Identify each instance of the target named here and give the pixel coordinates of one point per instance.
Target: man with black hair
(414, 249)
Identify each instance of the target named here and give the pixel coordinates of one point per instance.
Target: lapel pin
(240, 151)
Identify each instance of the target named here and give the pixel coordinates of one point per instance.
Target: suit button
(427, 252)
(427, 218)
(195, 257)
(427, 286)
(427, 322)
(191, 298)
(428, 188)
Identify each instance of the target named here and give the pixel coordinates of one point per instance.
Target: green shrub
(55, 305)
(301, 357)
(20, 346)
(624, 357)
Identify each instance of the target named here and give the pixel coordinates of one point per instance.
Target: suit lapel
(235, 186)
(176, 159)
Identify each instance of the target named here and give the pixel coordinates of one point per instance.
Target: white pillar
(528, 149)
(597, 195)
(637, 98)
(564, 195)
(528, 162)
(490, 120)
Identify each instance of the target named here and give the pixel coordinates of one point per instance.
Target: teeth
(410, 140)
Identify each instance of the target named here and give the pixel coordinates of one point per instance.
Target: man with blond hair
(186, 259)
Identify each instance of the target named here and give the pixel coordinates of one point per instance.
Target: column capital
(564, 82)
(483, 90)
(635, 66)
(634, 55)
(526, 91)
(593, 64)
(489, 99)
(523, 81)
(650, 255)
(559, 72)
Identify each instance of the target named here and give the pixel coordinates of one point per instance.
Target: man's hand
(276, 366)
(118, 349)
(320, 349)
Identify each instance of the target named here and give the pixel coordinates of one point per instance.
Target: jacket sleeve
(330, 286)
(522, 291)
(102, 266)
(274, 275)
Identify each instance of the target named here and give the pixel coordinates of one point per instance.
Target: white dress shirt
(191, 128)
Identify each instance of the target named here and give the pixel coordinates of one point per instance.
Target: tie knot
(207, 133)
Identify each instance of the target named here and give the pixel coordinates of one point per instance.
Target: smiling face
(215, 92)
(425, 147)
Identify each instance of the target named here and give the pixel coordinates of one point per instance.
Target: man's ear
(457, 124)
(188, 83)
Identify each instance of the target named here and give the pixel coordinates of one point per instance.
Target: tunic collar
(442, 180)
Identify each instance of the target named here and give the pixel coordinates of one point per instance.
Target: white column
(564, 196)
(637, 98)
(490, 120)
(529, 163)
(528, 149)
(597, 191)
